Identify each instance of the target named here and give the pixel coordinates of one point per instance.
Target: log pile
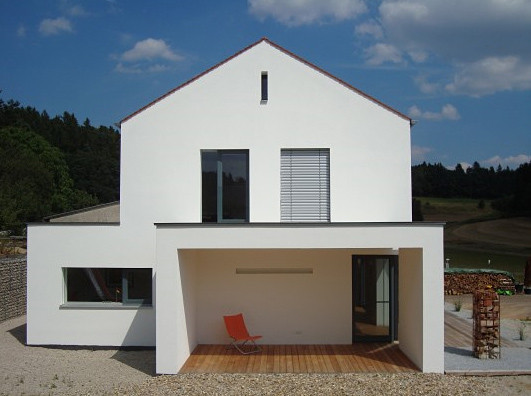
(456, 283)
(486, 315)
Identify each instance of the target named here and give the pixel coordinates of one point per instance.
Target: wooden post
(527, 273)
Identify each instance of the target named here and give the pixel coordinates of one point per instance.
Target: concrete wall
(285, 308)
(54, 247)
(369, 145)
(12, 287)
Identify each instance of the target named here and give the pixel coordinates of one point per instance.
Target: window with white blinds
(305, 185)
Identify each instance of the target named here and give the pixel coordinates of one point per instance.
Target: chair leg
(240, 347)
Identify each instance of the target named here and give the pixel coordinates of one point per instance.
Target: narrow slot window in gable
(264, 96)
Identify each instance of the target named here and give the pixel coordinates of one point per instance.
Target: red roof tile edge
(285, 51)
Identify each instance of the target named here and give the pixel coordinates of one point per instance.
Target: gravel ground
(68, 370)
(330, 384)
(509, 327)
(84, 371)
(512, 359)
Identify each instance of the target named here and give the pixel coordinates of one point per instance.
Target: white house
(265, 186)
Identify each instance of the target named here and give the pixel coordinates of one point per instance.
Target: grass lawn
(458, 212)
(476, 259)
(454, 209)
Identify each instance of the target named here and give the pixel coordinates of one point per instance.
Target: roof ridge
(285, 51)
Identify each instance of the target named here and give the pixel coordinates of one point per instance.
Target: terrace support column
(421, 307)
(173, 345)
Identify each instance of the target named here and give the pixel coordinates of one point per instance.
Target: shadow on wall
(187, 271)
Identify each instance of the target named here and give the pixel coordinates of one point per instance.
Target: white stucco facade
(201, 271)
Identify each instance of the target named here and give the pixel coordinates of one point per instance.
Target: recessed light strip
(264, 271)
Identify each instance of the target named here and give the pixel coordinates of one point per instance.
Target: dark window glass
(234, 167)
(264, 86)
(209, 164)
(139, 285)
(108, 285)
(225, 183)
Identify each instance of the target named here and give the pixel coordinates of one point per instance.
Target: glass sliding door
(374, 298)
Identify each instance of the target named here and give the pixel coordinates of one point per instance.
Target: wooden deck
(458, 332)
(357, 358)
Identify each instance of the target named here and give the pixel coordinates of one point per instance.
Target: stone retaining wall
(12, 287)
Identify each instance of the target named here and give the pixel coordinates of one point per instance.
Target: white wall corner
(433, 306)
(172, 338)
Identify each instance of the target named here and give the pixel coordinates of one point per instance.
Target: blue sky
(462, 69)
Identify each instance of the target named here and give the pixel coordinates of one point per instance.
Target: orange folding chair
(240, 336)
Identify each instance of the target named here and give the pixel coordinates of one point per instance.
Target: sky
(460, 69)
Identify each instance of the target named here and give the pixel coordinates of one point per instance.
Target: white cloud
(121, 68)
(425, 86)
(50, 27)
(158, 68)
(305, 12)
(142, 57)
(485, 41)
(418, 56)
(418, 153)
(150, 49)
(140, 68)
(448, 112)
(459, 30)
(21, 31)
(382, 53)
(370, 28)
(414, 112)
(464, 165)
(490, 75)
(511, 161)
(77, 11)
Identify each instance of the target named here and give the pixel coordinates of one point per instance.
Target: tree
(34, 180)
(519, 202)
(417, 210)
(92, 154)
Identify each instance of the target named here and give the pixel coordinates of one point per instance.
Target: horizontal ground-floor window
(117, 285)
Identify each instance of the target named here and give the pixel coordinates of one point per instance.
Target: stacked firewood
(486, 315)
(470, 282)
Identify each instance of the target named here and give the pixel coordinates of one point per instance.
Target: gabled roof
(285, 51)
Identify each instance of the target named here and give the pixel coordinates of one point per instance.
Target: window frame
(264, 87)
(219, 185)
(126, 301)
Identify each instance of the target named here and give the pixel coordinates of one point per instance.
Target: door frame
(393, 300)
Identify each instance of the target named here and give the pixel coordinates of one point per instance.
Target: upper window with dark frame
(225, 184)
